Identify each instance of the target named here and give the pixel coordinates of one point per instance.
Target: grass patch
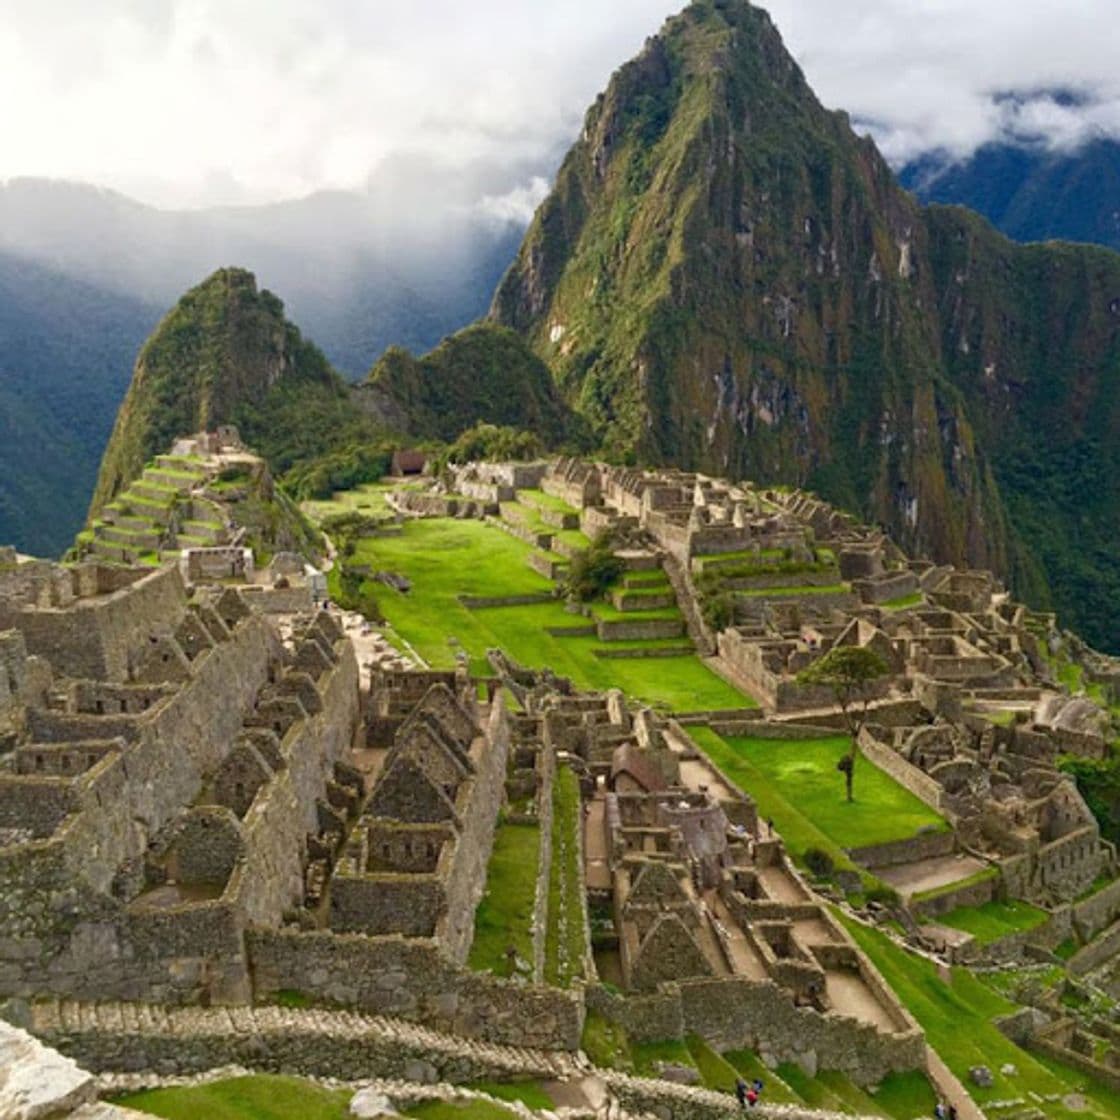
(904, 602)
(262, 1097)
(749, 1066)
(529, 1093)
(906, 1095)
(957, 1019)
(460, 1110)
(505, 915)
(444, 559)
(995, 919)
(649, 1055)
(797, 783)
(289, 997)
(564, 946)
(716, 1072)
(605, 1043)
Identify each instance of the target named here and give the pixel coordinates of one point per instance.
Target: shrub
(593, 571)
(820, 863)
(491, 442)
(719, 611)
(884, 895)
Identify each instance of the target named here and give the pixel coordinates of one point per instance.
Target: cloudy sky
(196, 102)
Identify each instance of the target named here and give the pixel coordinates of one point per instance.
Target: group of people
(747, 1095)
(940, 1112)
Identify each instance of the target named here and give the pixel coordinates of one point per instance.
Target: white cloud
(190, 102)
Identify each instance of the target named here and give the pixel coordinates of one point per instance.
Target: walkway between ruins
(596, 870)
(928, 874)
(949, 1088)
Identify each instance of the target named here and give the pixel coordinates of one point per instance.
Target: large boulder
(36, 1081)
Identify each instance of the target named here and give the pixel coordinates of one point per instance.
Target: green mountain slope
(65, 351)
(485, 373)
(726, 277)
(226, 354)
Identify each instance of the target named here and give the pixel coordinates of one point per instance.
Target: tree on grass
(851, 672)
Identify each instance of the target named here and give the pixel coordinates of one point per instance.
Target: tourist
(770, 827)
(939, 1111)
(952, 1112)
(752, 1096)
(741, 1092)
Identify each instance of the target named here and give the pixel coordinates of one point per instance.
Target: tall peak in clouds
(727, 278)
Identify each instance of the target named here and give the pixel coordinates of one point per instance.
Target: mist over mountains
(408, 260)
(86, 274)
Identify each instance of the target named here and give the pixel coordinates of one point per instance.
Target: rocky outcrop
(36, 1081)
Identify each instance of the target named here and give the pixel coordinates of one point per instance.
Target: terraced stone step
(206, 530)
(627, 599)
(149, 493)
(143, 540)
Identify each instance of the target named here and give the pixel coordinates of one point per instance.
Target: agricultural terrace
(445, 559)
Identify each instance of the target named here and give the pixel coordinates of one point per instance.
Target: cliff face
(223, 354)
(726, 277)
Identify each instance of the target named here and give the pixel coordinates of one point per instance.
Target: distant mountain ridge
(66, 351)
(1029, 192)
(354, 278)
(85, 275)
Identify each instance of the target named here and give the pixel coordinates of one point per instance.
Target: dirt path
(949, 1088)
(596, 871)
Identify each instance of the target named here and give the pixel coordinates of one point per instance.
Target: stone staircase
(318, 1043)
(132, 1044)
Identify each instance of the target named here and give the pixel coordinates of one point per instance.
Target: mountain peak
(224, 347)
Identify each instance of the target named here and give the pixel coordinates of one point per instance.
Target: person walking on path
(741, 1093)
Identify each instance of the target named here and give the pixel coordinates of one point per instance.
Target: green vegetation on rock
(727, 277)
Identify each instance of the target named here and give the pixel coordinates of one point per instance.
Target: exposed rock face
(36, 1081)
(726, 277)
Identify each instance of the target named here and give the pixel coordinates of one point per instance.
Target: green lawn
(263, 1097)
(542, 500)
(460, 1110)
(796, 782)
(904, 602)
(505, 915)
(995, 919)
(564, 941)
(444, 559)
(529, 1093)
(957, 1018)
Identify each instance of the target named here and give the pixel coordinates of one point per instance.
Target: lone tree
(850, 671)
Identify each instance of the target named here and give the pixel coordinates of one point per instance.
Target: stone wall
(974, 893)
(918, 782)
(411, 979)
(102, 638)
(67, 933)
(927, 845)
(1098, 911)
(733, 1013)
(1103, 949)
